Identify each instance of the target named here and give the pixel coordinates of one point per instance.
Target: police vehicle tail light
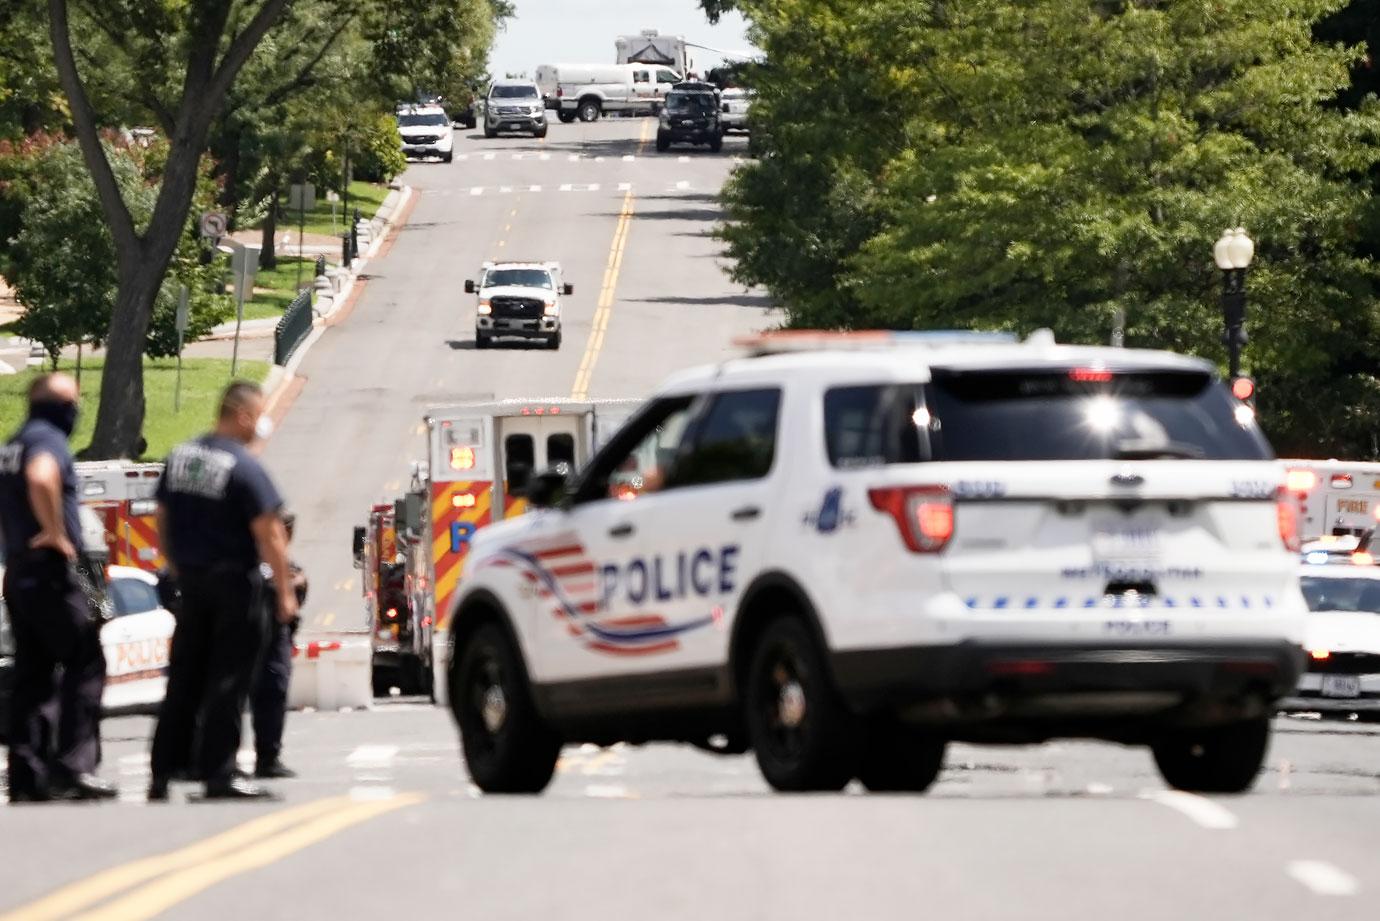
(1243, 388)
(1288, 517)
(924, 514)
(1320, 655)
(1299, 480)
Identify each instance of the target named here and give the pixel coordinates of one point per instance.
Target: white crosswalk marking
(477, 190)
(489, 156)
(535, 188)
(682, 185)
(544, 157)
(683, 159)
(629, 158)
(566, 187)
(625, 186)
(505, 189)
(573, 158)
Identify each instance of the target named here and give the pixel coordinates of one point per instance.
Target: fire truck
(121, 493)
(480, 457)
(1335, 498)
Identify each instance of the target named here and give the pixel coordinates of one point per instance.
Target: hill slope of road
(624, 221)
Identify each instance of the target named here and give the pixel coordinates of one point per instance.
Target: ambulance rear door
(463, 463)
(532, 443)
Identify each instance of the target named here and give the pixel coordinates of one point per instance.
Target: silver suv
(514, 106)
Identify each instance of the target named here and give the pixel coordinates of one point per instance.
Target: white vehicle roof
(420, 110)
(130, 572)
(902, 358)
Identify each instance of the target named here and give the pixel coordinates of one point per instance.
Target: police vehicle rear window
(1340, 594)
(1087, 414)
(132, 596)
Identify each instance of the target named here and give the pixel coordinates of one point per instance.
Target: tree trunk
(120, 418)
(268, 256)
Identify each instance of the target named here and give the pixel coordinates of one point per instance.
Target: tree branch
(127, 241)
(303, 78)
(243, 45)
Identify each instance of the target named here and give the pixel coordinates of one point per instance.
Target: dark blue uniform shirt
(211, 489)
(17, 522)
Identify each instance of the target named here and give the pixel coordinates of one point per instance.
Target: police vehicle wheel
(448, 156)
(554, 340)
(482, 340)
(801, 731)
(539, 134)
(1223, 759)
(900, 759)
(508, 748)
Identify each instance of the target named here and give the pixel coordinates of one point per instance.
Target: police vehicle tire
(900, 759)
(448, 156)
(1221, 759)
(482, 340)
(489, 132)
(554, 340)
(801, 732)
(541, 133)
(517, 754)
(717, 144)
(590, 110)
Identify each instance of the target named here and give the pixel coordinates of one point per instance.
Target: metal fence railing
(320, 266)
(293, 328)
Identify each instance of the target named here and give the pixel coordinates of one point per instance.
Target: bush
(377, 151)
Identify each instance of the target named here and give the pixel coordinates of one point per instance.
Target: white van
(589, 91)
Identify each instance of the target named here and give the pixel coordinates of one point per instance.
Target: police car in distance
(426, 132)
(137, 641)
(1343, 636)
(519, 300)
(844, 553)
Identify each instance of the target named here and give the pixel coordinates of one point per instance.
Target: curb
(281, 378)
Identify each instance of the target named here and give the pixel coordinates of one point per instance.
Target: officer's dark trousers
(215, 651)
(55, 731)
(271, 693)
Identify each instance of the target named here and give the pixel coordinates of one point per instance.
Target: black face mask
(59, 413)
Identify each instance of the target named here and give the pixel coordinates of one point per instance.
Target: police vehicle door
(532, 444)
(673, 518)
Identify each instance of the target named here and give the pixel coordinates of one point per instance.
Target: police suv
(845, 554)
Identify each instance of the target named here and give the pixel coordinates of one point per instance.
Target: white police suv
(844, 557)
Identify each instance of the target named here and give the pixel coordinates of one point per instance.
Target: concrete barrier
(332, 671)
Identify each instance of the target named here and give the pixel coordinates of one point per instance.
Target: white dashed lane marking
(474, 191)
(1203, 811)
(1322, 878)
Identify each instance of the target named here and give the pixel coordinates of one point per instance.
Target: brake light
(1300, 480)
(1361, 558)
(924, 514)
(391, 614)
(1243, 388)
(1288, 517)
(1320, 655)
(1090, 375)
(1341, 481)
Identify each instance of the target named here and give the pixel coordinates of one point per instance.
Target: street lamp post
(1233, 254)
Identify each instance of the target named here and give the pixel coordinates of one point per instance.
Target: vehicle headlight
(534, 110)
(485, 306)
(552, 308)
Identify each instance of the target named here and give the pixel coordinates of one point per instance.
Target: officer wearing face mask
(55, 742)
(219, 518)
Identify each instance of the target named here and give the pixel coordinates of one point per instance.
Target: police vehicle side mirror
(548, 488)
(567, 290)
(358, 547)
(469, 286)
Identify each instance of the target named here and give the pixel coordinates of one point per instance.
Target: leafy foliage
(1001, 164)
(62, 261)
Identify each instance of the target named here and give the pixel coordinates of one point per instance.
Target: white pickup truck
(587, 92)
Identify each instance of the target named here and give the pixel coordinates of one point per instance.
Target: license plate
(513, 126)
(1127, 543)
(1341, 686)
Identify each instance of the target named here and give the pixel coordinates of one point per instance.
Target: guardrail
(293, 328)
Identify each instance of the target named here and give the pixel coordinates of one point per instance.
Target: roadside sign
(181, 322)
(214, 224)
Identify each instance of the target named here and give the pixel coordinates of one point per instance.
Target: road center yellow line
(161, 894)
(600, 324)
(82, 893)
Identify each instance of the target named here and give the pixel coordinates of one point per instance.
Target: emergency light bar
(810, 340)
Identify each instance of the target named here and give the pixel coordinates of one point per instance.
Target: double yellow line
(606, 297)
(168, 879)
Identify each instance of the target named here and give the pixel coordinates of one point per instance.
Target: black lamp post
(1233, 254)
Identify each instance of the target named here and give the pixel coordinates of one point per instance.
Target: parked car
(735, 104)
(137, 641)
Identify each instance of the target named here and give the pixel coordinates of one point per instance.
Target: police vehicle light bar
(808, 340)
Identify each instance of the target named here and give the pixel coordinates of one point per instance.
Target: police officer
(219, 518)
(53, 621)
(269, 702)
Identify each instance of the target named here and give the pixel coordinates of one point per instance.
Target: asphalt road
(383, 822)
(408, 343)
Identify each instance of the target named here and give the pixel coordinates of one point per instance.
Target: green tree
(173, 63)
(999, 164)
(62, 260)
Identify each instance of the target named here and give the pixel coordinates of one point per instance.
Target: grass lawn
(203, 379)
(275, 289)
(366, 196)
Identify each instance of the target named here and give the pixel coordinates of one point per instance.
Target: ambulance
(121, 493)
(480, 459)
(394, 568)
(1334, 497)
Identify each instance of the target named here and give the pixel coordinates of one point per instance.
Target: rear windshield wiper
(1153, 450)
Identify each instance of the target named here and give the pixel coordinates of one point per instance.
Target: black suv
(691, 116)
